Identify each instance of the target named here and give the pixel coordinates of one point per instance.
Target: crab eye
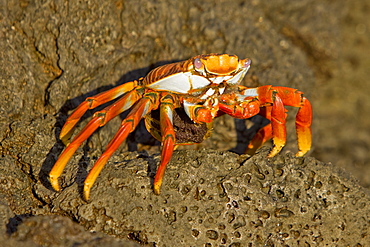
(197, 63)
(247, 63)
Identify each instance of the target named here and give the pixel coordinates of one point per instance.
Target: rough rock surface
(56, 53)
(220, 198)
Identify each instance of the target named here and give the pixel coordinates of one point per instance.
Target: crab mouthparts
(220, 79)
(230, 79)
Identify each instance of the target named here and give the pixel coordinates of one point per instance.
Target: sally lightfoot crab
(194, 92)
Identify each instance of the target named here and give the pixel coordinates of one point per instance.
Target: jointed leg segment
(303, 127)
(91, 103)
(275, 98)
(168, 139)
(129, 124)
(100, 118)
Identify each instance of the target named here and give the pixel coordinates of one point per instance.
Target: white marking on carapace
(198, 81)
(239, 76)
(209, 92)
(219, 79)
(221, 90)
(180, 83)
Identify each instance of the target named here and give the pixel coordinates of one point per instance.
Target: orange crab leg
(303, 127)
(100, 118)
(239, 106)
(140, 109)
(278, 116)
(201, 113)
(168, 140)
(280, 96)
(91, 103)
(264, 134)
(275, 130)
(293, 97)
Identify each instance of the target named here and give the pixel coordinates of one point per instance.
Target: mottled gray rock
(220, 198)
(60, 231)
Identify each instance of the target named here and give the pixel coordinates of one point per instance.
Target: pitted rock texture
(57, 231)
(219, 198)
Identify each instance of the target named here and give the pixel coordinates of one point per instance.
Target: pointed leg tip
(301, 153)
(157, 190)
(277, 147)
(271, 155)
(86, 191)
(86, 194)
(273, 152)
(55, 184)
(86, 197)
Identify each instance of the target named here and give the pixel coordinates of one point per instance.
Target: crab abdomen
(186, 131)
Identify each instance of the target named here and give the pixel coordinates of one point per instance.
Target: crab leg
(280, 96)
(239, 105)
(168, 139)
(264, 134)
(91, 103)
(278, 129)
(303, 127)
(293, 97)
(140, 109)
(200, 113)
(100, 118)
